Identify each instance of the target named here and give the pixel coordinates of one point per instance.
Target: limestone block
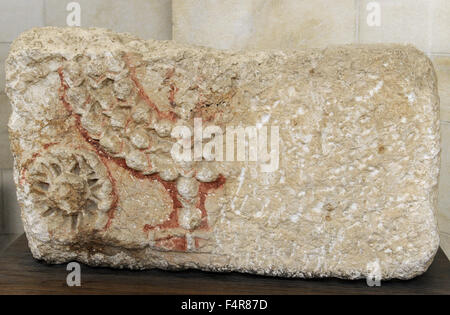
(352, 192)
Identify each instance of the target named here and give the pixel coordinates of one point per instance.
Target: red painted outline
(33, 158)
(104, 156)
(96, 146)
(180, 243)
(172, 116)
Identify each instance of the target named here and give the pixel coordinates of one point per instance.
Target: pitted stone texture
(354, 194)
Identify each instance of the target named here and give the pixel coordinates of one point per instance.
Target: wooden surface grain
(21, 274)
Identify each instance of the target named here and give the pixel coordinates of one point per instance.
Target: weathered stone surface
(354, 194)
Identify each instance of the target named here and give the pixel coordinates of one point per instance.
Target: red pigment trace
(172, 242)
(168, 115)
(113, 207)
(172, 92)
(103, 155)
(173, 88)
(170, 187)
(48, 145)
(33, 158)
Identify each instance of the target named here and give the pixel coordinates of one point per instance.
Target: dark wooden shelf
(21, 274)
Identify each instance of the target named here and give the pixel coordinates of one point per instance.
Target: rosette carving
(71, 188)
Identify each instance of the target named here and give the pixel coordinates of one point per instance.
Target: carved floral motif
(72, 186)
